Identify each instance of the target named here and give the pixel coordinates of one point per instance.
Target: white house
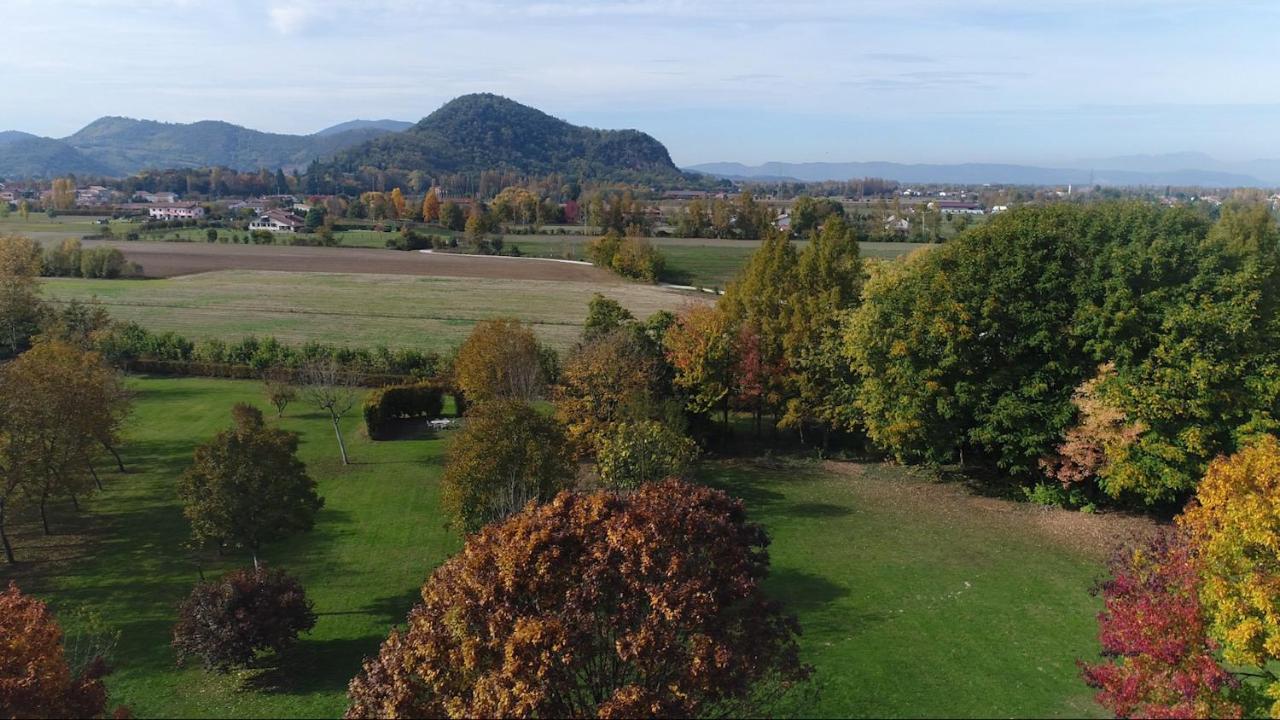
(277, 221)
(176, 211)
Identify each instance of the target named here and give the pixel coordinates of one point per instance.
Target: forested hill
(481, 132)
(120, 146)
(130, 145)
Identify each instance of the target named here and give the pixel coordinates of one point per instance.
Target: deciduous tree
(612, 378)
(229, 622)
(1162, 661)
(332, 389)
(501, 358)
(246, 487)
(1234, 526)
(20, 307)
(599, 605)
(630, 454)
(35, 678)
(700, 348)
(506, 455)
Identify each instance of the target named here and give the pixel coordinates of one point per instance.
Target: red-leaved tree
(35, 677)
(596, 605)
(1161, 660)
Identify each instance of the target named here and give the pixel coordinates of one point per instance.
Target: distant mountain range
(479, 132)
(1184, 169)
(469, 134)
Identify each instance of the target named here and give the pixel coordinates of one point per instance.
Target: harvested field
(164, 260)
(360, 308)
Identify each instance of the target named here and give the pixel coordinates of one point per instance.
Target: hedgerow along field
(362, 310)
(916, 599)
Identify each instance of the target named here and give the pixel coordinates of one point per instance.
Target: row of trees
(740, 218)
(1107, 347)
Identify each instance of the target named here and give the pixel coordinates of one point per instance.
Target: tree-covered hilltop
(128, 145)
(119, 146)
(29, 156)
(479, 132)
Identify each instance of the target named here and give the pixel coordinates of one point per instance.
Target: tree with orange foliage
(431, 206)
(501, 358)
(700, 346)
(35, 678)
(602, 605)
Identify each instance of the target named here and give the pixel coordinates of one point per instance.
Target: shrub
(226, 623)
(101, 262)
(631, 454)
(401, 402)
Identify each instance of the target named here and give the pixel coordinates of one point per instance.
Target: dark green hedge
(401, 402)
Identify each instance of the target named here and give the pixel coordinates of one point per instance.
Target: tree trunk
(4, 538)
(44, 519)
(74, 502)
(116, 455)
(97, 480)
(256, 566)
(342, 447)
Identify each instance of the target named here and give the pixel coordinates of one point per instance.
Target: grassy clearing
(377, 538)
(429, 313)
(916, 599)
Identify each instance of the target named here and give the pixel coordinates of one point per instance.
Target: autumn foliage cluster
(1192, 619)
(35, 678)
(593, 605)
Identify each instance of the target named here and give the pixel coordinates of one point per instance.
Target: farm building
(277, 221)
(176, 211)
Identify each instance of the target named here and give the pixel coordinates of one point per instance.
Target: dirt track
(172, 259)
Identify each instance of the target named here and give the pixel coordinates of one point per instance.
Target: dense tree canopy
(593, 606)
(976, 348)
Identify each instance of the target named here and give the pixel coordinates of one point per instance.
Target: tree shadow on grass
(815, 510)
(312, 666)
(390, 610)
(800, 589)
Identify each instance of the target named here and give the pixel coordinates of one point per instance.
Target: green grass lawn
(915, 599)
(428, 313)
(377, 538)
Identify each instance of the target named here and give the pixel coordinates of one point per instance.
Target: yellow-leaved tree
(1234, 524)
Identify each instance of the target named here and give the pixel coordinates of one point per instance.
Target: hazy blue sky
(905, 80)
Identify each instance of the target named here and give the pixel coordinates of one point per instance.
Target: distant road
(168, 259)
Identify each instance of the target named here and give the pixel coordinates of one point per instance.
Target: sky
(1026, 81)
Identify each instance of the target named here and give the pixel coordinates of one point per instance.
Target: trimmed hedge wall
(401, 402)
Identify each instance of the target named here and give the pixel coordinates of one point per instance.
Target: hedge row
(401, 402)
